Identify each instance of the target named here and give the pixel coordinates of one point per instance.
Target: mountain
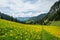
(23, 19)
(7, 17)
(35, 19)
(4, 16)
(38, 18)
(31, 20)
(53, 14)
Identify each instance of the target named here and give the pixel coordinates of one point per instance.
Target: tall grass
(17, 31)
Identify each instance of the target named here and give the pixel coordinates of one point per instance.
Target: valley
(28, 25)
(17, 31)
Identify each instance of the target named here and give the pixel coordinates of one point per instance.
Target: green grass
(17, 31)
(47, 36)
(55, 23)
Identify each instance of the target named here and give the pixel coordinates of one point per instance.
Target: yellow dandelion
(37, 30)
(38, 37)
(11, 30)
(11, 34)
(6, 34)
(25, 32)
(27, 39)
(53, 30)
(16, 37)
(3, 35)
(21, 34)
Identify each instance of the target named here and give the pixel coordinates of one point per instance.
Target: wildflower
(27, 39)
(25, 32)
(11, 34)
(3, 35)
(11, 30)
(16, 37)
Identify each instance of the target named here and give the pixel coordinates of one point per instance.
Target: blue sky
(25, 8)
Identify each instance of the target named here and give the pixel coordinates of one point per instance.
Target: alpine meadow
(27, 22)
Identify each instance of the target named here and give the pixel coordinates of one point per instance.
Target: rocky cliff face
(53, 14)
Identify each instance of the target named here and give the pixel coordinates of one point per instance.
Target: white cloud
(24, 8)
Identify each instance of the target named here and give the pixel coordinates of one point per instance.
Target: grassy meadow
(17, 31)
(55, 23)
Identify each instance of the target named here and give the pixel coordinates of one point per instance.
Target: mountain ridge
(53, 14)
(35, 18)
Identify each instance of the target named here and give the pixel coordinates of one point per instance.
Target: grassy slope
(55, 23)
(17, 31)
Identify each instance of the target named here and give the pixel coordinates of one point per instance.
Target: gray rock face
(53, 14)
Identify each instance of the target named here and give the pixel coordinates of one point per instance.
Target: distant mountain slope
(4, 16)
(39, 17)
(35, 19)
(23, 19)
(53, 14)
(7, 17)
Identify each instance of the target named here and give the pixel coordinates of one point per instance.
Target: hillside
(34, 20)
(17, 31)
(7, 17)
(38, 18)
(53, 14)
(23, 19)
(55, 23)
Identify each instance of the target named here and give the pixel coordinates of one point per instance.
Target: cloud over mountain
(24, 8)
